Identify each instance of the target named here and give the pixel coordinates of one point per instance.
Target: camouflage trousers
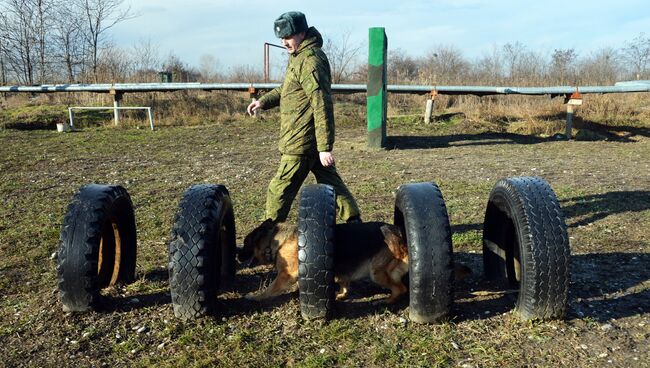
(292, 173)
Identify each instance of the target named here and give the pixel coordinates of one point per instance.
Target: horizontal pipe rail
(620, 87)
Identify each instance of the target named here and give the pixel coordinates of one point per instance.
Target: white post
(574, 100)
(428, 111)
(117, 98)
(71, 117)
(150, 117)
(116, 111)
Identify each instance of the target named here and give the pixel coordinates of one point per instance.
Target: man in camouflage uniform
(306, 121)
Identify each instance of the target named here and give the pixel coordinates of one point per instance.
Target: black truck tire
(97, 245)
(316, 223)
(228, 240)
(525, 243)
(201, 250)
(421, 215)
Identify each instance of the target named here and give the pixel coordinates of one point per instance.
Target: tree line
(68, 41)
(42, 41)
(514, 64)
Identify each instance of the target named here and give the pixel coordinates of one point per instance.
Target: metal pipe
(621, 87)
(114, 108)
(267, 60)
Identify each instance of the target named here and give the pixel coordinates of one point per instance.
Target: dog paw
(251, 296)
(386, 301)
(380, 302)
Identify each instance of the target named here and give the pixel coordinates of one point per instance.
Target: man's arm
(268, 101)
(315, 81)
(271, 99)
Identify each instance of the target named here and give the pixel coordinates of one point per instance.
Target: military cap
(290, 23)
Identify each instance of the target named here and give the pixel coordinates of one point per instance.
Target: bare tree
(512, 53)
(244, 73)
(100, 16)
(342, 55)
(67, 39)
(114, 64)
(562, 68)
(637, 55)
(3, 48)
(181, 72)
(601, 67)
(209, 68)
(444, 64)
(19, 37)
(43, 19)
(145, 60)
(488, 69)
(402, 68)
(531, 68)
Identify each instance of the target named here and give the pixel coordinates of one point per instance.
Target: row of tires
(525, 244)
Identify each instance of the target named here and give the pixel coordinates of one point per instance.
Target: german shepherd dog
(373, 249)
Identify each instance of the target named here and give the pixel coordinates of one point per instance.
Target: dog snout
(244, 255)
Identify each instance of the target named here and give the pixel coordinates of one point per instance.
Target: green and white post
(377, 96)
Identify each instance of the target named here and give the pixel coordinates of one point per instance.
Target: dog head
(257, 244)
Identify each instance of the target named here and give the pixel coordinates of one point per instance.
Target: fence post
(71, 113)
(428, 111)
(575, 99)
(376, 95)
(117, 99)
(569, 122)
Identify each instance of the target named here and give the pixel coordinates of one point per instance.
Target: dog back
(356, 243)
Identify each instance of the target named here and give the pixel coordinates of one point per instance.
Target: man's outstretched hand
(254, 106)
(326, 158)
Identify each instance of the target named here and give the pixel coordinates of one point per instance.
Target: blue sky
(234, 31)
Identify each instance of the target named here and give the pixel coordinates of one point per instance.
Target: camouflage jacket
(305, 100)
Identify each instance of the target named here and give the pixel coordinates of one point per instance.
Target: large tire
(316, 222)
(97, 245)
(525, 243)
(421, 214)
(228, 240)
(201, 250)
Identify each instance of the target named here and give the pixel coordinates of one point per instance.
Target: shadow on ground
(592, 131)
(591, 208)
(603, 286)
(111, 303)
(619, 133)
(609, 285)
(584, 210)
(481, 139)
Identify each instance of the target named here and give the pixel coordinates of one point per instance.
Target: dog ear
(246, 253)
(267, 224)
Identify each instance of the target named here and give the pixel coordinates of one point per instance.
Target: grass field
(603, 187)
